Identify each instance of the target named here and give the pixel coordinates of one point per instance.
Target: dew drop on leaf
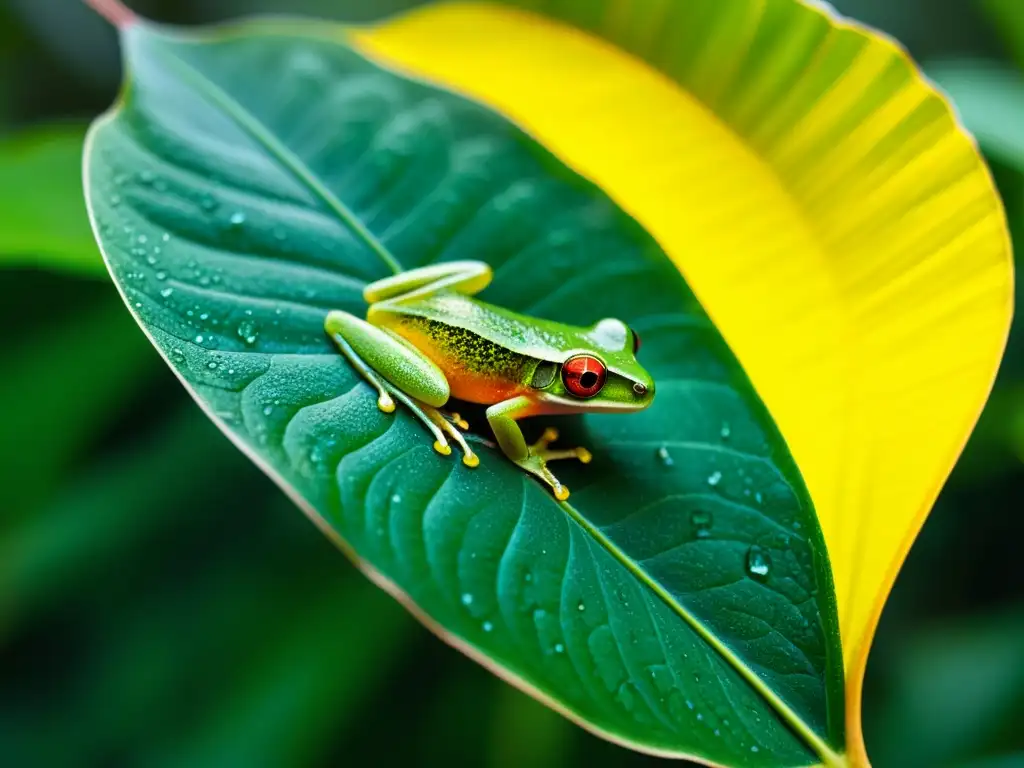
(248, 332)
(759, 563)
(701, 521)
(487, 626)
(714, 478)
(664, 456)
(467, 598)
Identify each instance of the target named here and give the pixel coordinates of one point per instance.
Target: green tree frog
(426, 339)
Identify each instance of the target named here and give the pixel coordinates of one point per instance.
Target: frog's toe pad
(457, 420)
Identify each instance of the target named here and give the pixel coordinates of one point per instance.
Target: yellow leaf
(817, 193)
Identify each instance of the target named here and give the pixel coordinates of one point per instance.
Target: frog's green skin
(425, 340)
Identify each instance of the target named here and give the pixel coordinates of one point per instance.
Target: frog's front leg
(533, 458)
(398, 371)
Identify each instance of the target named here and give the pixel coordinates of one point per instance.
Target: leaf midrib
(245, 120)
(828, 755)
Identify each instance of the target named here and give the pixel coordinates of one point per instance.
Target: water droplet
(268, 410)
(701, 520)
(559, 648)
(396, 498)
(209, 203)
(212, 366)
(237, 219)
(689, 704)
(714, 478)
(754, 748)
(664, 456)
(115, 200)
(700, 716)
(758, 497)
(147, 177)
(280, 234)
(726, 431)
(166, 292)
(488, 626)
(248, 332)
(759, 563)
(166, 237)
(178, 355)
(151, 260)
(138, 305)
(467, 599)
(199, 339)
(161, 275)
(204, 316)
(580, 606)
(528, 577)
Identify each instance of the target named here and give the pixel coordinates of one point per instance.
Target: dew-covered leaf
(255, 178)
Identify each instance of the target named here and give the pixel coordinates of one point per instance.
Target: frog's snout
(644, 392)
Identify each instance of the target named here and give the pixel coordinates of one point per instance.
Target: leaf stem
(114, 11)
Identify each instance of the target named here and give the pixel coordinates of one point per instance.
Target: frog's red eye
(583, 375)
(636, 341)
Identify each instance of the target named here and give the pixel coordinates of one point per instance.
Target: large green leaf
(681, 601)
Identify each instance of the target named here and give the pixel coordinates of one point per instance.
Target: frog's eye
(636, 341)
(583, 375)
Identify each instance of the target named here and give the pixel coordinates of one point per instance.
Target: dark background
(161, 603)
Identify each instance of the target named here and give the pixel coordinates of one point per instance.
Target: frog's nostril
(640, 389)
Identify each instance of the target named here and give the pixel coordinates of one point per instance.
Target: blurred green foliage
(161, 603)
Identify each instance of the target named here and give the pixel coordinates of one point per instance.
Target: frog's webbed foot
(455, 419)
(550, 435)
(436, 421)
(536, 463)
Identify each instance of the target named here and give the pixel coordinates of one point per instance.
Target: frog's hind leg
(398, 372)
(465, 277)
